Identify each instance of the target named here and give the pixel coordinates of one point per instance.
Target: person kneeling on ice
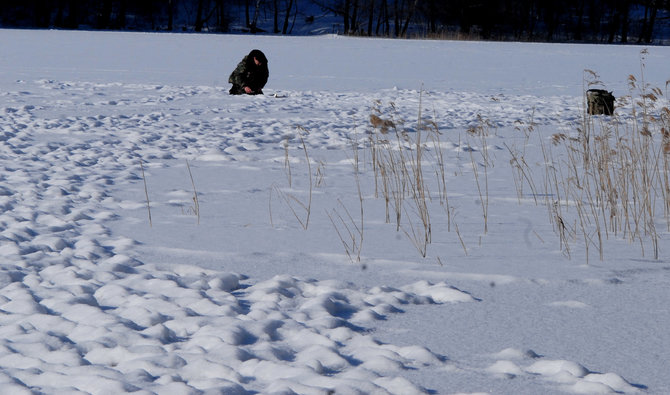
(250, 75)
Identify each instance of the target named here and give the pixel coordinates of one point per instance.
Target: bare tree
(410, 14)
(619, 20)
(650, 11)
(371, 11)
(347, 6)
(104, 15)
(287, 14)
(198, 16)
(170, 10)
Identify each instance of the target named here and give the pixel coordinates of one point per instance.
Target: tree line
(642, 21)
(528, 20)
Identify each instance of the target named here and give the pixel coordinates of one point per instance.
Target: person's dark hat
(256, 53)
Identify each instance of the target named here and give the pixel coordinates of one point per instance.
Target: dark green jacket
(247, 73)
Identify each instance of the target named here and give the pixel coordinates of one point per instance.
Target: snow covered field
(239, 291)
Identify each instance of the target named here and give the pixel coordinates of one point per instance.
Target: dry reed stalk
(196, 201)
(522, 172)
(320, 174)
(562, 229)
(481, 131)
(458, 233)
(353, 242)
(349, 233)
(287, 163)
(146, 193)
(290, 199)
(309, 173)
(440, 167)
(440, 172)
(391, 165)
(419, 191)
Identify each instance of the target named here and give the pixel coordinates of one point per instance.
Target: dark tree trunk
(121, 17)
(347, 5)
(371, 19)
(354, 17)
(275, 16)
(551, 19)
(410, 14)
(72, 19)
(170, 9)
(254, 22)
(198, 16)
(652, 19)
(287, 15)
(619, 21)
(397, 22)
(650, 11)
(105, 15)
(625, 20)
(383, 19)
(43, 13)
(579, 30)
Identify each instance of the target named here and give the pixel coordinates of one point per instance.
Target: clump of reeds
(612, 177)
(397, 154)
(349, 230)
(481, 131)
(301, 209)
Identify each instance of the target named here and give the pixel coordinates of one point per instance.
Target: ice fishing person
(250, 75)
